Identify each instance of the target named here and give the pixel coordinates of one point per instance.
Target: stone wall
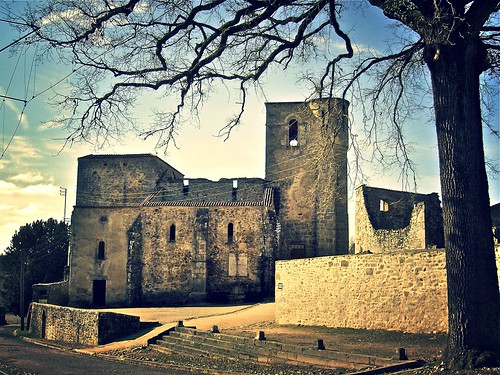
(78, 326)
(402, 291)
(236, 266)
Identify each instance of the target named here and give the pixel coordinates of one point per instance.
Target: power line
(15, 132)
(17, 40)
(13, 98)
(12, 22)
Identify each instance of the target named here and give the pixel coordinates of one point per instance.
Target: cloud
(5, 207)
(23, 149)
(8, 190)
(25, 205)
(30, 210)
(37, 190)
(29, 177)
(50, 125)
(66, 15)
(6, 187)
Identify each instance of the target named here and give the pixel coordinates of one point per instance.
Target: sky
(36, 164)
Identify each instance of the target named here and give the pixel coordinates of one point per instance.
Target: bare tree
(120, 48)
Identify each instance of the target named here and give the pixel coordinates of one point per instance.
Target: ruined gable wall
(403, 291)
(411, 221)
(110, 180)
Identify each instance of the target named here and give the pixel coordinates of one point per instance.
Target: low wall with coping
(79, 326)
(403, 291)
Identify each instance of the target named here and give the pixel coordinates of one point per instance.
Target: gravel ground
(225, 366)
(207, 364)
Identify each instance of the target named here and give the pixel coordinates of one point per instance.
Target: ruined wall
(235, 265)
(107, 180)
(168, 265)
(306, 158)
(77, 326)
(144, 265)
(402, 291)
(388, 220)
(90, 227)
(197, 264)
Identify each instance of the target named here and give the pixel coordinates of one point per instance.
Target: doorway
(297, 251)
(99, 293)
(44, 325)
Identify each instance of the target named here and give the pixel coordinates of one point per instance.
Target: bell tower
(306, 161)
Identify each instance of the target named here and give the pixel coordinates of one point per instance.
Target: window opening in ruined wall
(238, 265)
(235, 189)
(384, 206)
(293, 133)
(230, 233)
(101, 250)
(172, 233)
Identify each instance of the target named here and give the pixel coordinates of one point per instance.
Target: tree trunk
(473, 295)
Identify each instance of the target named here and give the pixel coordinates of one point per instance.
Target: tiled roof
(267, 201)
(201, 204)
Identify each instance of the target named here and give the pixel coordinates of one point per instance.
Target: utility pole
(64, 191)
(21, 292)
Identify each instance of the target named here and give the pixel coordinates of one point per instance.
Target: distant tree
(119, 49)
(43, 247)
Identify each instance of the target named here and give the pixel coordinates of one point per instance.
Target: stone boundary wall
(79, 326)
(51, 293)
(401, 291)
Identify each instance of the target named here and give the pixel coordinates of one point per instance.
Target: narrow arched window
(101, 250)
(172, 233)
(230, 233)
(293, 132)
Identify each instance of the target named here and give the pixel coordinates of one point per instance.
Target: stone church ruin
(144, 235)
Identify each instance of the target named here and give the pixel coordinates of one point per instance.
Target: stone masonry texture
(77, 326)
(402, 291)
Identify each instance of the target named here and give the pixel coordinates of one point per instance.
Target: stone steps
(189, 341)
